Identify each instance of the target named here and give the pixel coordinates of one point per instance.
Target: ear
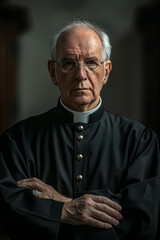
(51, 69)
(107, 68)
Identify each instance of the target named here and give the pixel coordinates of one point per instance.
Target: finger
(27, 180)
(32, 185)
(107, 201)
(103, 217)
(96, 223)
(108, 210)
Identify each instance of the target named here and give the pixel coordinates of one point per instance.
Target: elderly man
(78, 171)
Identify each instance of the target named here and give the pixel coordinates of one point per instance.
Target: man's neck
(81, 116)
(82, 107)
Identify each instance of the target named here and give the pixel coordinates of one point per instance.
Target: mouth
(81, 89)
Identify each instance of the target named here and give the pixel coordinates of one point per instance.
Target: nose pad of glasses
(81, 72)
(82, 66)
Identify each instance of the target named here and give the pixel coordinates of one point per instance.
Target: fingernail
(119, 208)
(109, 226)
(116, 222)
(120, 216)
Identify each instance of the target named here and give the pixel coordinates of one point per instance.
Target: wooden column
(13, 21)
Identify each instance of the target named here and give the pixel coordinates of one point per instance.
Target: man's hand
(42, 189)
(93, 210)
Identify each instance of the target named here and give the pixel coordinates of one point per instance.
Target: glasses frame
(77, 64)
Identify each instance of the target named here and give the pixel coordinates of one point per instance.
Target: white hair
(102, 35)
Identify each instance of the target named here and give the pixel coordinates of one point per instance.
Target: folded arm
(96, 211)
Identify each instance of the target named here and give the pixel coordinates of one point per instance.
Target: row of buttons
(80, 128)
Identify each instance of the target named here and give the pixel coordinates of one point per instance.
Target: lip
(80, 89)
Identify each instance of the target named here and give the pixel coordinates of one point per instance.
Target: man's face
(80, 90)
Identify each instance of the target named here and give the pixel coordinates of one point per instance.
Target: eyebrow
(69, 58)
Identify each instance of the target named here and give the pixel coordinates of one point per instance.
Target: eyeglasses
(70, 65)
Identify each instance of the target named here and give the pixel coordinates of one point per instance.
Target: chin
(82, 100)
(82, 104)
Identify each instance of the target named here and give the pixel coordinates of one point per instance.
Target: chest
(82, 157)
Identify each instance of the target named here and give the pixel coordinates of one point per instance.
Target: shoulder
(30, 126)
(36, 121)
(121, 121)
(125, 125)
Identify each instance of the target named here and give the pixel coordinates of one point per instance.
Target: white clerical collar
(81, 116)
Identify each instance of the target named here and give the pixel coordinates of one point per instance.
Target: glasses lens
(68, 65)
(93, 64)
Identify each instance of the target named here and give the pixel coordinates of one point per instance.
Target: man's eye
(92, 63)
(68, 64)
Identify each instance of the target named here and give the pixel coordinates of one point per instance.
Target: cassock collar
(73, 116)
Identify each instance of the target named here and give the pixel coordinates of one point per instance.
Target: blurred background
(26, 27)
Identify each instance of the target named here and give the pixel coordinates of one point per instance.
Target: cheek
(100, 86)
(63, 83)
(98, 82)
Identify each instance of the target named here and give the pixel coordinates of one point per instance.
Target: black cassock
(116, 157)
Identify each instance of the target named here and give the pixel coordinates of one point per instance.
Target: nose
(81, 73)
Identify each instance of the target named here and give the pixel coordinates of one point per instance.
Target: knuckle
(113, 221)
(85, 196)
(85, 200)
(33, 179)
(117, 206)
(116, 214)
(83, 217)
(50, 187)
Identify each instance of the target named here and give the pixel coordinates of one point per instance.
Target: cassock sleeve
(23, 215)
(140, 192)
(139, 195)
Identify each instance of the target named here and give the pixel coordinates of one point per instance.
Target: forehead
(79, 41)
